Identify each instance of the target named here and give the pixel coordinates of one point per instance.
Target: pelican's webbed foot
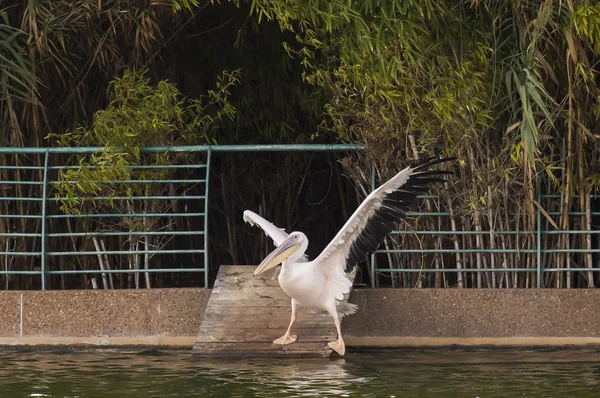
(338, 346)
(286, 339)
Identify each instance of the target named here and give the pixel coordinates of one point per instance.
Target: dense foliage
(510, 87)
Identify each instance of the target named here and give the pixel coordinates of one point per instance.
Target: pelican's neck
(294, 258)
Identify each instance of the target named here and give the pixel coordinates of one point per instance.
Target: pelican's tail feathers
(346, 308)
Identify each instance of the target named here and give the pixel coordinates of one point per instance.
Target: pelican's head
(292, 248)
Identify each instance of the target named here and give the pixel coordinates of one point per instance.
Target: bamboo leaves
(586, 22)
(139, 114)
(16, 80)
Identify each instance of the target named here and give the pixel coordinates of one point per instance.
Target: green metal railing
(539, 251)
(50, 218)
(50, 223)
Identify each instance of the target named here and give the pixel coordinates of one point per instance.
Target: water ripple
(110, 373)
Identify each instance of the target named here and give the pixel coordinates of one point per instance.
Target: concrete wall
(155, 316)
(442, 317)
(386, 317)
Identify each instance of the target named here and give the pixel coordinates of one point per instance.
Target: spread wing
(277, 234)
(373, 220)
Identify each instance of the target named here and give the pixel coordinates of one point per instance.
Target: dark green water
(108, 373)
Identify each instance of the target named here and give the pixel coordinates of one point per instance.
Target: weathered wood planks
(244, 315)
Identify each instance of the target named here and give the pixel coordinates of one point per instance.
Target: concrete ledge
(102, 313)
(407, 341)
(171, 341)
(474, 313)
(386, 317)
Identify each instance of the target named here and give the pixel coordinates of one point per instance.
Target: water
(115, 373)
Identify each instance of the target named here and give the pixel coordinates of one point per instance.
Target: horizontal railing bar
(20, 216)
(136, 181)
(455, 270)
(19, 234)
(21, 167)
(487, 251)
(569, 232)
(486, 270)
(20, 253)
(570, 250)
(126, 215)
(391, 270)
(127, 252)
(21, 182)
(135, 167)
(4, 272)
(126, 271)
(133, 197)
(134, 233)
(194, 148)
(8, 198)
(571, 269)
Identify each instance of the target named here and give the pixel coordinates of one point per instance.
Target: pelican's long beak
(277, 256)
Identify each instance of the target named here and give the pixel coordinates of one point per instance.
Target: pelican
(322, 284)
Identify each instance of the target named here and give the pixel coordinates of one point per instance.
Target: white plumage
(323, 284)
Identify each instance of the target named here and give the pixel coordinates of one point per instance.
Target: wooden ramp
(244, 315)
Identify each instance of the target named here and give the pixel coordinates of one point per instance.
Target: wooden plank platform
(244, 315)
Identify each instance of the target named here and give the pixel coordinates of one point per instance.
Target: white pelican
(322, 283)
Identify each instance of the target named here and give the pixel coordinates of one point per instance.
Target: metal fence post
(43, 227)
(539, 241)
(206, 184)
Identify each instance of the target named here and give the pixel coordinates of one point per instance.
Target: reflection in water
(115, 373)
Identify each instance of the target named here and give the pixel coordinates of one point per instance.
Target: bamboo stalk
(101, 262)
(511, 256)
(105, 256)
(468, 257)
(174, 206)
(563, 219)
(430, 224)
(130, 260)
(146, 255)
(492, 237)
(439, 246)
(7, 276)
(390, 261)
(476, 219)
(517, 246)
(505, 264)
(136, 264)
(588, 239)
(569, 161)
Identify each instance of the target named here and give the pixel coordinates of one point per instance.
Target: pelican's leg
(339, 345)
(288, 338)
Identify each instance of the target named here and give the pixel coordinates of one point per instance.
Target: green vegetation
(508, 87)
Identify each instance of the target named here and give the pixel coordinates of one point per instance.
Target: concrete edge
(410, 342)
(351, 341)
(167, 341)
